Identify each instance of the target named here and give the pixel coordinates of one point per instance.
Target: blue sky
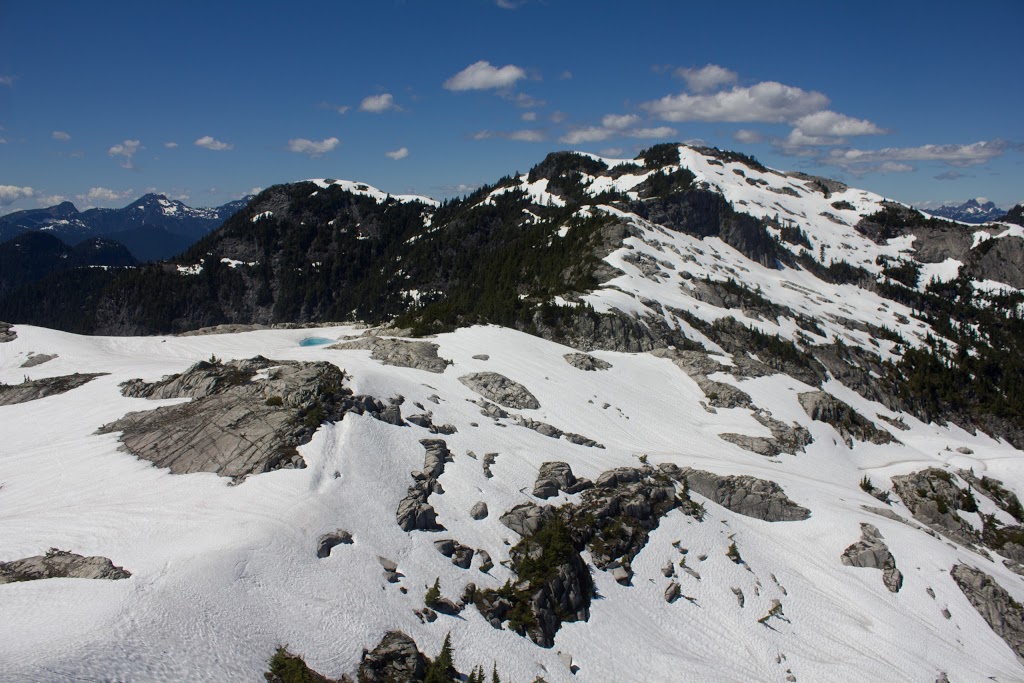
(101, 102)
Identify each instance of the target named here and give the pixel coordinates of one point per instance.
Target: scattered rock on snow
(871, 551)
(479, 510)
(60, 564)
(584, 361)
(501, 390)
(401, 353)
(784, 439)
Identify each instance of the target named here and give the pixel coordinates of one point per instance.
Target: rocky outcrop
(933, 497)
(871, 551)
(557, 476)
(426, 420)
(401, 353)
(329, 541)
(585, 361)
(850, 424)
(60, 564)
(527, 518)
(743, 495)
(395, 660)
(35, 359)
(1004, 614)
(7, 333)
(501, 390)
(245, 416)
(784, 439)
(414, 512)
(34, 389)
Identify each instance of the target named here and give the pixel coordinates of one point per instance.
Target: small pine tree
(433, 593)
(494, 674)
(442, 669)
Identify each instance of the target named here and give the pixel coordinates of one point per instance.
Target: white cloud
(830, 123)
(400, 153)
(768, 102)
(526, 135)
(312, 147)
(619, 121)
(707, 77)
(3, 141)
(659, 132)
(50, 199)
(565, 75)
(7, 80)
(343, 109)
(482, 76)
(378, 103)
(170, 145)
(589, 134)
(529, 116)
(211, 143)
(103, 194)
(747, 136)
(12, 193)
(954, 155)
(60, 135)
(524, 101)
(126, 150)
(558, 116)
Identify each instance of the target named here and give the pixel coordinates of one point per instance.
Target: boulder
(526, 518)
(395, 659)
(35, 359)
(479, 510)
(7, 333)
(557, 476)
(328, 541)
(500, 390)
(871, 551)
(743, 495)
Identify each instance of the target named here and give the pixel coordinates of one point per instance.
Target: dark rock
(60, 564)
(501, 390)
(933, 497)
(414, 513)
(743, 495)
(526, 518)
(7, 333)
(35, 359)
(395, 659)
(479, 510)
(784, 439)
(557, 476)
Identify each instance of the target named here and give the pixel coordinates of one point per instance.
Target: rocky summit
(674, 417)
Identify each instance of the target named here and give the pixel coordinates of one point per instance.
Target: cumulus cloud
(103, 194)
(767, 102)
(60, 135)
(707, 77)
(748, 137)
(7, 80)
(615, 125)
(211, 143)
(588, 134)
(619, 121)
(833, 124)
(482, 76)
(400, 153)
(659, 132)
(170, 145)
(529, 116)
(50, 199)
(126, 150)
(523, 101)
(313, 148)
(376, 104)
(525, 135)
(12, 193)
(954, 155)
(565, 75)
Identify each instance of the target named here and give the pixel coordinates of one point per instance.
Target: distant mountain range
(970, 211)
(152, 227)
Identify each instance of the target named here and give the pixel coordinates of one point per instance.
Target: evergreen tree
(442, 669)
(433, 593)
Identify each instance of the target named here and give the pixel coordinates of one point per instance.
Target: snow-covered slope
(222, 575)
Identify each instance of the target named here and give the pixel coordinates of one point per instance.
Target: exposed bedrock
(245, 416)
(60, 564)
(586, 362)
(872, 552)
(501, 390)
(34, 389)
(401, 353)
(850, 424)
(996, 606)
(414, 512)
